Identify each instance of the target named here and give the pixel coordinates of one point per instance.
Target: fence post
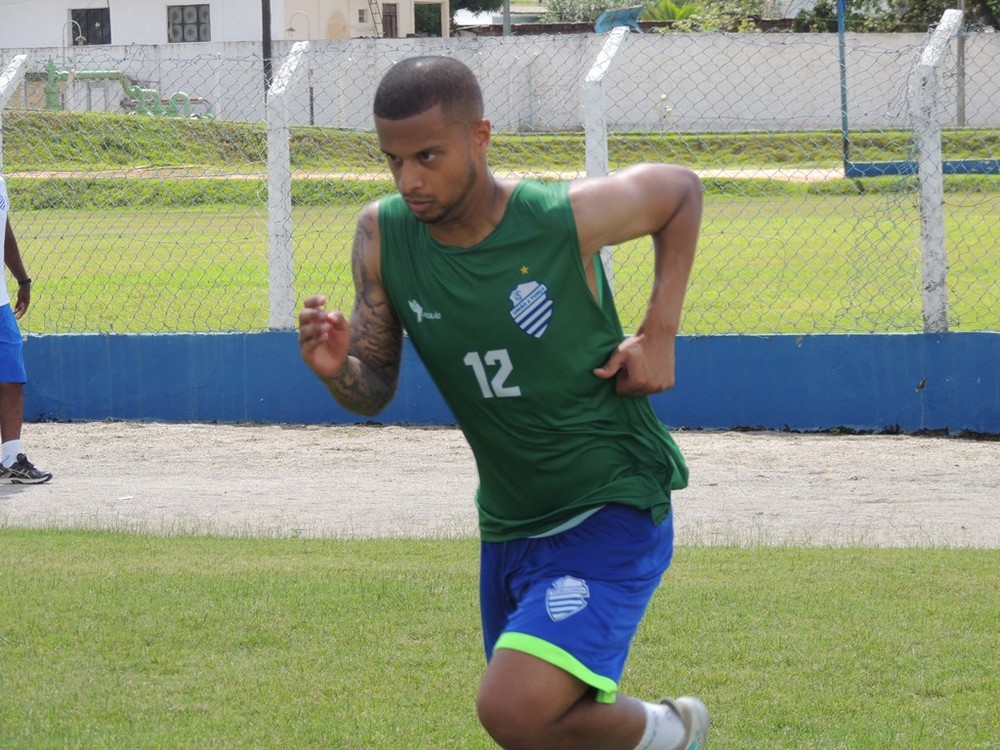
(10, 79)
(595, 123)
(281, 275)
(931, 175)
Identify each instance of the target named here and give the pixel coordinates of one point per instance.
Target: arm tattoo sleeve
(368, 383)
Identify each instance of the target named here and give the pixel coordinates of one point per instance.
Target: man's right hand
(324, 337)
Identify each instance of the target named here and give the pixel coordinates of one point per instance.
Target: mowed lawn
(112, 640)
(768, 264)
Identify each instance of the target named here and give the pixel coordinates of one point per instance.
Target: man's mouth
(418, 205)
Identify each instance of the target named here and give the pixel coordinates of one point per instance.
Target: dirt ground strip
(349, 481)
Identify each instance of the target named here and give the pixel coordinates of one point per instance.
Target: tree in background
(707, 15)
(730, 15)
(897, 15)
(994, 7)
(919, 15)
(822, 17)
(476, 6)
(427, 17)
(573, 11)
(744, 15)
(668, 10)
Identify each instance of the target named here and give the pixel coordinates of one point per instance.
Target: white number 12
(497, 386)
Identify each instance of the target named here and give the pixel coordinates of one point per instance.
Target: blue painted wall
(863, 382)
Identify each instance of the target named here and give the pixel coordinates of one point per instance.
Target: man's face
(434, 161)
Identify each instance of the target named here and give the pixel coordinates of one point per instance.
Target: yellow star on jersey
(524, 270)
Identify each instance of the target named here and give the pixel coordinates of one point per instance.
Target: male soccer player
(500, 287)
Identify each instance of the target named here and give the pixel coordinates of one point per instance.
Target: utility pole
(960, 65)
(265, 19)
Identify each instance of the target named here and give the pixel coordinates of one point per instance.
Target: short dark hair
(416, 84)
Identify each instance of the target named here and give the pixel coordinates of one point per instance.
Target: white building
(58, 23)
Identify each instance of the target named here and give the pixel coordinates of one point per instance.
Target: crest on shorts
(531, 308)
(566, 597)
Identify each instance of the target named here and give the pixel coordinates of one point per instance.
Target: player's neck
(478, 216)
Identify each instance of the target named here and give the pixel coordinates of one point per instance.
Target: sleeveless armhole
(385, 211)
(599, 279)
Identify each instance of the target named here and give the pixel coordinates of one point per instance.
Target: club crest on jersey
(566, 597)
(531, 308)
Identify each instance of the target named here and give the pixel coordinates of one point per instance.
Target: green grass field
(46, 140)
(112, 640)
(188, 251)
(787, 264)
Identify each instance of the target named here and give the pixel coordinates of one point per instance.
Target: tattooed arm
(358, 360)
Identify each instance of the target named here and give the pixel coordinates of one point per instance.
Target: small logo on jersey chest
(566, 597)
(421, 313)
(531, 308)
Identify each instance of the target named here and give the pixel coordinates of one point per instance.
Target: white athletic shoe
(694, 716)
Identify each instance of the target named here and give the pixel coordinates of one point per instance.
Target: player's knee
(509, 726)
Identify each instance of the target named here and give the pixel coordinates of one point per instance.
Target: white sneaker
(694, 716)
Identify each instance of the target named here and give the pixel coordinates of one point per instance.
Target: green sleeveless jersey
(510, 333)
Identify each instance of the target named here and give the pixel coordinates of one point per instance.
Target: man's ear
(481, 132)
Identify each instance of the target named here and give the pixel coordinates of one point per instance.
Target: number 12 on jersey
(496, 362)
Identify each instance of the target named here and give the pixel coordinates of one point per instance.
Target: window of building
(90, 26)
(362, 16)
(189, 23)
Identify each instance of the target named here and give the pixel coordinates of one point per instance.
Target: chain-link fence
(140, 181)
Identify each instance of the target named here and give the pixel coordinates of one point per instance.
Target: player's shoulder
(369, 216)
(528, 187)
(391, 202)
(538, 197)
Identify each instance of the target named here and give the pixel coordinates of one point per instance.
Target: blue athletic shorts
(11, 348)
(575, 599)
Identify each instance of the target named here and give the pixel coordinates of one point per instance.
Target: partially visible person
(16, 468)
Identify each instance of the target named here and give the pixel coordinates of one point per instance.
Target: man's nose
(409, 177)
